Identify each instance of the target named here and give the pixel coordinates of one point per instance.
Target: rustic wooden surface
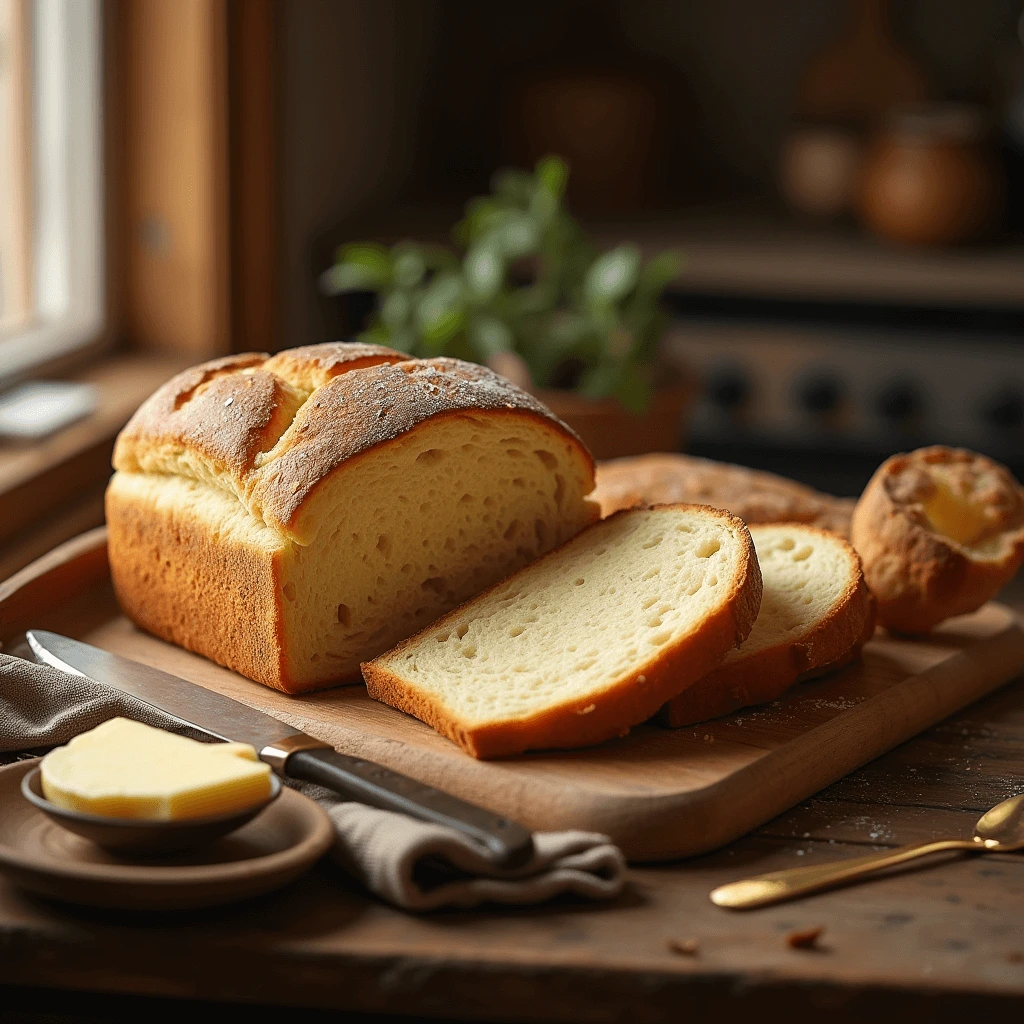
(930, 944)
(908, 944)
(658, 793)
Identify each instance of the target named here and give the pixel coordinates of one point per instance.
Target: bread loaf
(294, 515)
(816, 614)
(751, 494)
(587, 641)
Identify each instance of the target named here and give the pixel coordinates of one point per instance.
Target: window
(51, 212)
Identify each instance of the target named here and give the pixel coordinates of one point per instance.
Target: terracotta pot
(610, 430)
(930, 178)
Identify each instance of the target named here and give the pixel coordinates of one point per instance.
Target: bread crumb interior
(431, 520)
(572, 626)
(804, 575)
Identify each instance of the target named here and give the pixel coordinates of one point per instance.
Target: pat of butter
(954, 516)
(124, 769)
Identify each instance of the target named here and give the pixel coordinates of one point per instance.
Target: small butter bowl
(138, 836)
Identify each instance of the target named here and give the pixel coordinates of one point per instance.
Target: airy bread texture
(290, 517)
(939, 531)
(585, 642)
(753, 495)
(816, 614)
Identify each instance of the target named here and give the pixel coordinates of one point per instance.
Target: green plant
(529, 281)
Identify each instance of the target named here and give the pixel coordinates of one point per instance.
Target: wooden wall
(192, 106)
(176, 157)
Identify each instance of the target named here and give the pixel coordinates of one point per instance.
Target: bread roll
(939, 532)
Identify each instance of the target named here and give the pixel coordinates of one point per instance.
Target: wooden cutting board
(659, 793)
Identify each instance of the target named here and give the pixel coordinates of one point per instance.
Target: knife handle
(508, 843)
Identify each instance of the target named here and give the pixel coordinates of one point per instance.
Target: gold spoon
(999, 830)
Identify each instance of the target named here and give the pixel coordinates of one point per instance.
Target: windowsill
(52, 489)
(32, 346)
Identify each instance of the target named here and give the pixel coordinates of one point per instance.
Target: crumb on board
(805, 938)
(683, 947)
(1015, 957)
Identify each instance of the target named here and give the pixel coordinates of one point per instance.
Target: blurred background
(839, 183)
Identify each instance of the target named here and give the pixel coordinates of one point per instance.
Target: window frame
(67, 254)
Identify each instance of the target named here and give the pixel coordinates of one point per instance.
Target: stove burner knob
(728, 387)
(899, 401)
(1005, 410)
(820, 394)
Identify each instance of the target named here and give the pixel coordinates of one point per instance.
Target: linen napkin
(413, 864)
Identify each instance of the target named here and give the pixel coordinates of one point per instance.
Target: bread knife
(291, 754)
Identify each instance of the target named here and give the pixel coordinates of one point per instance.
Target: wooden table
(928, 944)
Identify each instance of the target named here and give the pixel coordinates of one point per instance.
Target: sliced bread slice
(585, 642)
(816, 614)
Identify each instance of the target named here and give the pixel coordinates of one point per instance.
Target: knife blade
(290, 753)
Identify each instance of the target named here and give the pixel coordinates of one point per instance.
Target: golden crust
(753, 495)
(205, 409)
(237, 424)
(630, 700)
(834, 642)
(921, 576)
(203, 592)
(311, 366)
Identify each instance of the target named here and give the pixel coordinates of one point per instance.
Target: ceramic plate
(275, 847)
